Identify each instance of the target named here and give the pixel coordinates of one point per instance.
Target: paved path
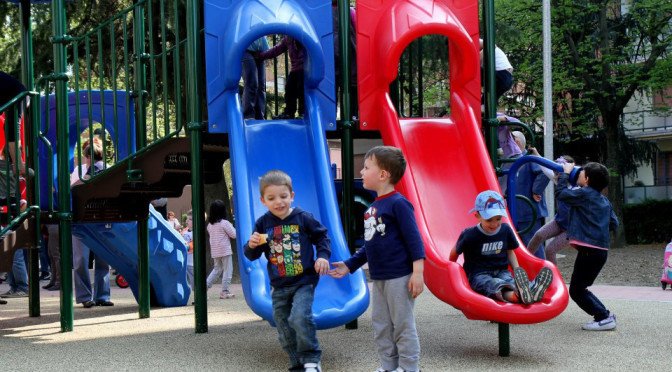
(114, 339)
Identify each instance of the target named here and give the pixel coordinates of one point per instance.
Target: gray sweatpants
(393, 323)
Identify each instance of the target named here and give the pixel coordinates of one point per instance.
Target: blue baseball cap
(489, 204)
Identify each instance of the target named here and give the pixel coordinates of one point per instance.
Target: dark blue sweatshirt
(289, 249)
(392, 239)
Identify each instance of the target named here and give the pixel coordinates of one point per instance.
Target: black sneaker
(541, 284)
(45, 276)
(523, 285)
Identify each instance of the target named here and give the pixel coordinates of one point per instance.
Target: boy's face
(190, 222)
(490, 225)
(582, 180)
(372, 175)
(278, 199)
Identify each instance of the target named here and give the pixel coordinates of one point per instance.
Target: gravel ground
(634, 265)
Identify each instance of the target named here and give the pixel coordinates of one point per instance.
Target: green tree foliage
(604, 51)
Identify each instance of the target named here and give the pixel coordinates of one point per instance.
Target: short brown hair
(274, 177)
(389, 159)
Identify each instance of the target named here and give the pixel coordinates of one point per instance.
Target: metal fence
(638, 194)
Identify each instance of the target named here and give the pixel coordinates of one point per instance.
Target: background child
(556, 228)
(174, 222)
(591, 217)
(188, 236)
(489, 250)
(395, 253)
(294, 85)
(221, 231)
(286, 236)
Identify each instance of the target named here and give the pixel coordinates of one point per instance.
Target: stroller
(667, 267)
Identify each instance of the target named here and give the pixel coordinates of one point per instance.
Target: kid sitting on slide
(488, 250)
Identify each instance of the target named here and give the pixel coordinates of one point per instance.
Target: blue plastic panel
(103, 111)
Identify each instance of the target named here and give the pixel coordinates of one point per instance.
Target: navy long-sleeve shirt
(392, 239)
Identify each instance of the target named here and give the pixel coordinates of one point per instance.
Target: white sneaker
(312, 367)
(603, 325)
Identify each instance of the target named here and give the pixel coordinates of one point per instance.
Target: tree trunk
(615, 189)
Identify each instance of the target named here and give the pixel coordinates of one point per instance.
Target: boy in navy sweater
(395, 253)
(286, 236)
(488, 250)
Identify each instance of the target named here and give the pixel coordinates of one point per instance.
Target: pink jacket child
(667, 267)
(221, 232)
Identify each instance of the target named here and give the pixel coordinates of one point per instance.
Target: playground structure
(121, 193)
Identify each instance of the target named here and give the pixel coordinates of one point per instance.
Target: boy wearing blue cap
(488, 250)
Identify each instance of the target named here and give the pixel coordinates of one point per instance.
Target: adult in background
(503, 72)
(80, 252)
(254, 78)
(531, 183)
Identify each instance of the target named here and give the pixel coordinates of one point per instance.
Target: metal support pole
(548, 99)
(27, 78)
(504, 340)
(141, 141)
(196, 128)
(489, 66)
(143, 268)
(347, 167)
(64, 215)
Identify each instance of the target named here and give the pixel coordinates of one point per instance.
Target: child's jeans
(588, 264)
(491, 283)
(293, 316)
(224, 269)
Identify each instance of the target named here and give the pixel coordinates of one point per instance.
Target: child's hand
(254, 240)
(567, 167)
(339, 270)
(321, 266)
(416, 284)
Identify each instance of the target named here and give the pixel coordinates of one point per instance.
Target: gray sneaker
(541, 284)
(523, 285)
(312, 367)
(607, 324)
(14, 294)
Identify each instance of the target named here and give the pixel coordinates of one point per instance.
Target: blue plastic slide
(297, 147)
(118, 244)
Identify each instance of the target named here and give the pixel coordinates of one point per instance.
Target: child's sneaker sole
(607, 324)
(523, 285)
(226, 296)
(541, 284)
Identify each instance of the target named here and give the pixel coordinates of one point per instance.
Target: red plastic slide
(448, 164)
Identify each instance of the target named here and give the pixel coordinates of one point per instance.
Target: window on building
(663, 169)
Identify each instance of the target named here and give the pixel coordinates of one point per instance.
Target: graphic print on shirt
(285, 253)
(492, 248)
(372, 223)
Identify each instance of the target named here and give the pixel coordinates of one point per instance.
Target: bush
(648, 222)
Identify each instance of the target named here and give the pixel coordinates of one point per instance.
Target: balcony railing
(638, 194)
(647, 122)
